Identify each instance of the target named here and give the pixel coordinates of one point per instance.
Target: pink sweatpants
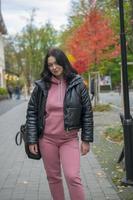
(56, 152)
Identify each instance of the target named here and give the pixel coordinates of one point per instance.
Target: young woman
(59, 106)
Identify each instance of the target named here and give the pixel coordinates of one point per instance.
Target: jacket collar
(40, 84)
(75, 81)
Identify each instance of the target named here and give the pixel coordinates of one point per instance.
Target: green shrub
(114, 133)
(3, 91)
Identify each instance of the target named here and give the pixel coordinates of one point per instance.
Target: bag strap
(19, 134)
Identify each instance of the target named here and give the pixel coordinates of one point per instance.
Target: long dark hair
(62, 60)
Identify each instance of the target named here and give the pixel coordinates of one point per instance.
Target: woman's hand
(85, 148)
(33, 148)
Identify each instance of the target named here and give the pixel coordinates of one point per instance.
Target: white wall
(2, 62)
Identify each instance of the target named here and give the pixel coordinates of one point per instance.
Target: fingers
(33, 148)
(85, 148)
(36, 148)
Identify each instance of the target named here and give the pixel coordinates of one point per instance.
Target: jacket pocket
(74, 116)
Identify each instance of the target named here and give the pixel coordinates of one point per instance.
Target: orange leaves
(93, 41)
(80, 66)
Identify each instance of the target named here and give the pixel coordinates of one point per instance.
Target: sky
(16, 12)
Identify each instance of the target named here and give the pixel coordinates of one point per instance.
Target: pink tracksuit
(59, 148)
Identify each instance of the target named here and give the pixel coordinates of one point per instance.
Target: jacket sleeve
(86, 116)
(32, 118)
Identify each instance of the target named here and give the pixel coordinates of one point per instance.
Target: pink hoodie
(54, 121)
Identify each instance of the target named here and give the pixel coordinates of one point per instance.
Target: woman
(59, 106)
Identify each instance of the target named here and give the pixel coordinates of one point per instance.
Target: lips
(55, 72)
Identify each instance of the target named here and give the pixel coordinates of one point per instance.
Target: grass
(102, 107)
(107, 151)
(114, 133)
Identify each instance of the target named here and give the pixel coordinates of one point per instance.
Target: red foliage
(93, 41)
(80, 66)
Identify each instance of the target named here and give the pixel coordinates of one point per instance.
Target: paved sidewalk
(25, 179)
(7, 104)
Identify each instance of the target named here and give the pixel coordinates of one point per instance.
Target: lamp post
(127, 120)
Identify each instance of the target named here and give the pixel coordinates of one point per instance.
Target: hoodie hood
(54, 80)
(43, 84)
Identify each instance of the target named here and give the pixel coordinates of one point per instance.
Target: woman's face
(54, 68)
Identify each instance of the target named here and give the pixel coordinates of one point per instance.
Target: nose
(54, 66)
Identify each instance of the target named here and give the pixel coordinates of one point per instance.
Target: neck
(59, 77)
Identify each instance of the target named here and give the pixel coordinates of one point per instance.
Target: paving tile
(25, 179)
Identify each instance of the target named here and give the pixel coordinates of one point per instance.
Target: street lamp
(127, 120)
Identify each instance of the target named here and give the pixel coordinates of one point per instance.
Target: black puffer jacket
(77, 110)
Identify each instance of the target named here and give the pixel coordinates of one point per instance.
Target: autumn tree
(93, 41)
(111, 8)
(28, 48)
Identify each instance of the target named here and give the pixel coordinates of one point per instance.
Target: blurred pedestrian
(17, 92)
(10, 91)
(59, 106)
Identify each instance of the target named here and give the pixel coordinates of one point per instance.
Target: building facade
(3, 31)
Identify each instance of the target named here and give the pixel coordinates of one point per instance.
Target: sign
(105, 80)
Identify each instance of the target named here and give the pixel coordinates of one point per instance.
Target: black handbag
(21, 135)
